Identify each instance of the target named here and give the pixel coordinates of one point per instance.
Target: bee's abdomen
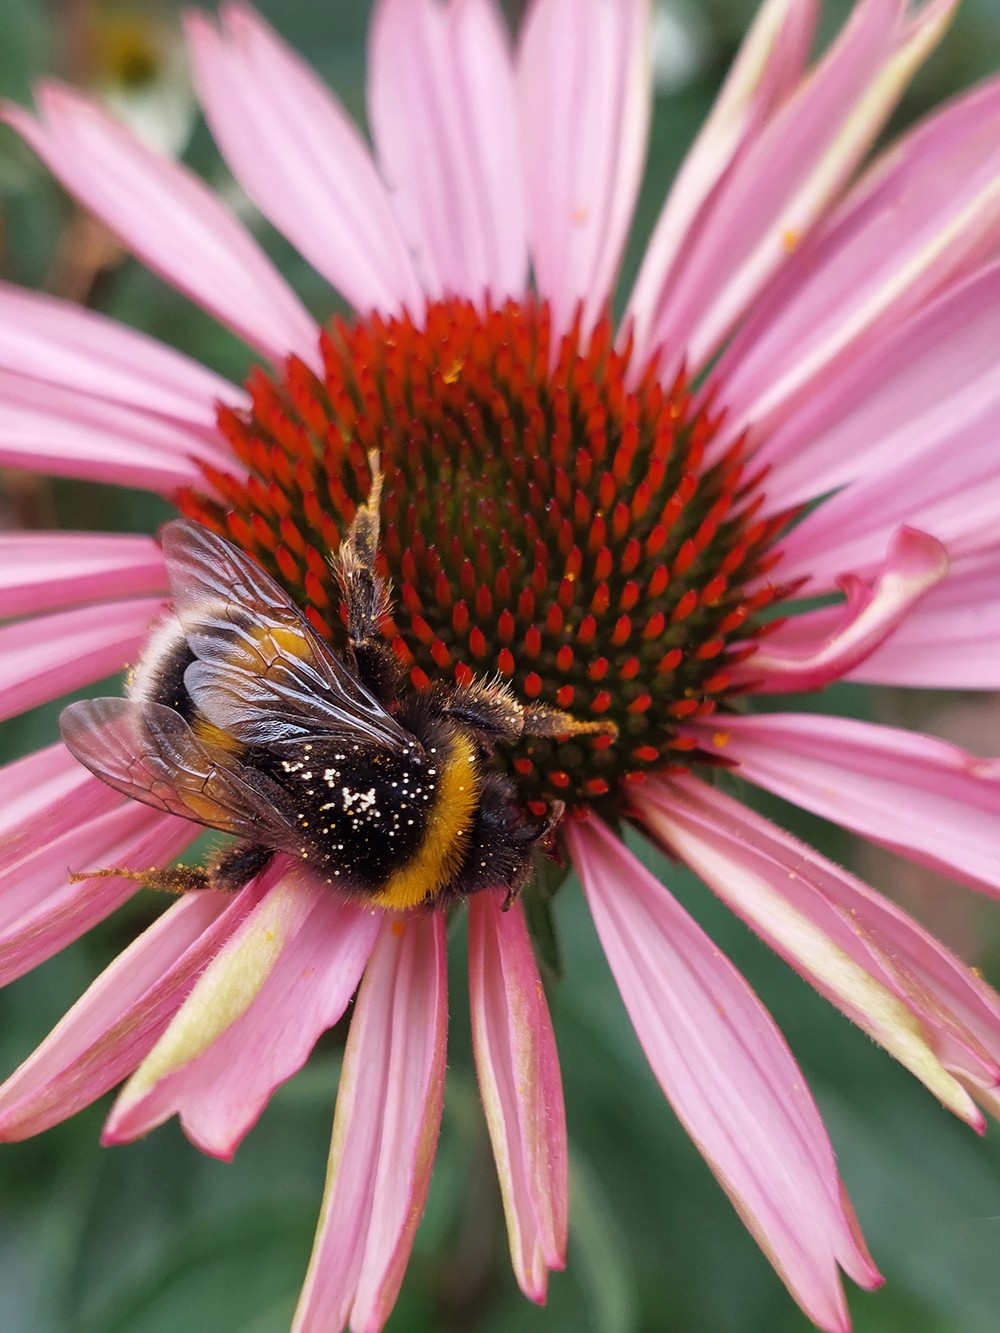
(441, 854)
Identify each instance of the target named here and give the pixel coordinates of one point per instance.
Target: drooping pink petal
(924, 215)
(384, 1132)
(781, 186)
(933, 374)
(45, 571)
(113, 1025)
(584, 88)
(442, 108)
(766, 70)
(300, 158)
(63, 432)
(858, 949)
(47, 656)
(951, 641)
(60, 343)
(917, 795)
(169, 218)
(281, 979)
(806, 654)
(728, 1074)
(521, 1088)
(41, 910)
(952, 491)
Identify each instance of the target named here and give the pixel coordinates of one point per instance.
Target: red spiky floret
(547, 515)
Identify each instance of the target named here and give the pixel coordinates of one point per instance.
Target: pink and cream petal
(917, 795)
(42, 910)
(521, 1088)
(442, 108)
(932, 375)
(300, 158)
(584, 87)
(47, 571)
(767, 69)
(384, 1132)
(59, 343)
(782, 186)
(923, 217)
(862, 952)
(807, 654)
(284, 977)
(167, 217)
(47, 656)
(950, 641)
(727, 1072)
(116, 1022)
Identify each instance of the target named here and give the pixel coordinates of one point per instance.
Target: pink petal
(728, 1074)
(45, 571)
(952, 490)
(859, 950)
(44, 796)
(779, 189)
(42, 911)
(169, 218)
(384, 1132)
(583, 77)
(951, 641)
(933, 374)
(45, 428)
(113, 1025)
(220, 1079)
(300, 158)
(807, 655)
(519, 1079)
(44, 657)
(925, 215)
(442, 108)
(47, 656)
(59, 343)
(766, 70)
(918, 796)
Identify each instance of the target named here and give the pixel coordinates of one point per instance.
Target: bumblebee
(241, 718)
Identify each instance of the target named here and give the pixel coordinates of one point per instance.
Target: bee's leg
(234, 868)
(367, 596)
(491, 708)
(162, 879)
(230, 871)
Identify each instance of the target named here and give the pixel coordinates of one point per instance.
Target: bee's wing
(263, 673)
(147, 751)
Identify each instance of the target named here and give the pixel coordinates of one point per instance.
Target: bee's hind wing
(148, 752)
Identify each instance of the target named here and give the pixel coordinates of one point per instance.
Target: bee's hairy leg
(492, 708)
(366, 594)
(538, 836)
(235, 867)
(541, 720)
(230, 871)
(163, 879)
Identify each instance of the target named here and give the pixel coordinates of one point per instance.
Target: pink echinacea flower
(801, 401)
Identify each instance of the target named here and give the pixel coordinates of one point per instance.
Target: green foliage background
(154, 1237)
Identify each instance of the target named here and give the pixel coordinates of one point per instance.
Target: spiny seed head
(548, 515)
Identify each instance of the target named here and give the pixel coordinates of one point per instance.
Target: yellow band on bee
(446, 838)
